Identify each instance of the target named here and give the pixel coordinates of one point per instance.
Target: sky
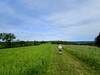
(68, 20)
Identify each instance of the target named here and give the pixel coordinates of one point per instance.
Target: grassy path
(45, 60)
(67, 64)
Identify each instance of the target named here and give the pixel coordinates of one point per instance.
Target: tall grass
(88, 54)
(31, 60)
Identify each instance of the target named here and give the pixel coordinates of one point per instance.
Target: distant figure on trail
(60, 48)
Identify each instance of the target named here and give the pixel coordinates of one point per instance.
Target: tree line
(7, 41)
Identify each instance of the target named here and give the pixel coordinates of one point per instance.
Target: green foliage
(97, 40)
(7, 38)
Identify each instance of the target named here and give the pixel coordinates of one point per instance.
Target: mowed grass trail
(45, 60)
(89, 55)
(69, 64)
(32, 60)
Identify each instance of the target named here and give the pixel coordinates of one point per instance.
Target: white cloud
(57, 19)
(83, 21)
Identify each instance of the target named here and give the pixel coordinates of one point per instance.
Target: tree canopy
(7, 38)
(97, 40)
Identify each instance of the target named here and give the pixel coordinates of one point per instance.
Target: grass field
(45, 60)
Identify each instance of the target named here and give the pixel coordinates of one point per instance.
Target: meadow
(45, 60)
(32, 60)
(90, 55)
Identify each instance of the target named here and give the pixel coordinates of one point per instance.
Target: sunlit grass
(32, 60)
(87, 54)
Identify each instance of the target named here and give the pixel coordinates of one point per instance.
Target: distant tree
(97, 40)
(37, 43)
(7, 38)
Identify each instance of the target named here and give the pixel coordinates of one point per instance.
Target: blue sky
(70, 20)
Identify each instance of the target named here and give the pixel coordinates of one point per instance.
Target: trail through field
(67, 64)
(46, 60)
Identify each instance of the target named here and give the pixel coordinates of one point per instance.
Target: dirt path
(67, 64)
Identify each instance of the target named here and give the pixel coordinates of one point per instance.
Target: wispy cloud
(51, 19)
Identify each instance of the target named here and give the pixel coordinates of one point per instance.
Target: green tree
(97, 40)
(7, 38)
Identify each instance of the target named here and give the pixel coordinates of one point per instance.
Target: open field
(45, 60)
(25, 60)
